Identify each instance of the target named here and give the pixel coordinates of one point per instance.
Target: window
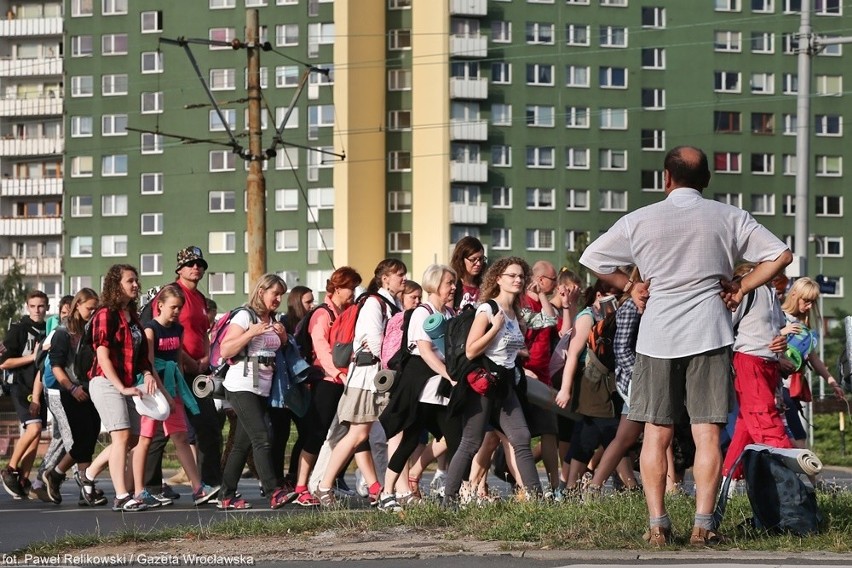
(762, 163)
(653, 58)
(112, 85)
(399, 39)
(287, 240)
(285, 76)
(80, 8)
(727, 41)
(791, 43)
(221, 242)
(726, 162)
(114, 44)
(830, 50)
(220, 4)
(790, 164)
(225, 79)
(81, 126)
(113, 7)
(152, 102)
(222, 36)
(293, 120)
(151, 263)
(762, 42)
(539, 33)
(540, 116)
(501, 114)
(392, 4)
(114, 165)
(152, 22)
(576, 117)
(81, 46)
(540, 156)
(577, 34)
(501, 73)
(577, 199)
(762, 6)
(399, 120)
(399, 80)
(152, 223)
(501, 156)
(612, 77)
(114, 245)
(612, 159)
(732, 199)
(727, 82)
(725, 121)
(501, 239)
(540, 198)
(762, 123)
(81, 246)
(287, 159)
(762, 204)
(614, 3)
(81, 166)
(829, 205)
(501, 197)
(540, 239)
(727, 5)
(790, 83)
(577, 158)
(828, 125)
(222, 282)
(613, 200)
(286, 199)
(574, 239)
(653, 17)
(399, 242)
(114, 125)
(399, 161)
(829, 85)
(652, 180)
(613, 36)
(113, 205)
(788, 205)
(222, 161)
(152, 62)
(653, 99)
(81, 206)
(829, 166)
(653, 140)
(151, 183)
(215, 123)
(790, 124)
(828, 8)
(539, 74)
(613, 119)
(286, 35)
(151, 143)
(576, 76)
(399, 202)
(82, 86)
(763, 83)
(501, 32)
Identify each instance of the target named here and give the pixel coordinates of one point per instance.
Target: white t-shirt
(429, 395)
(241, 379)
(504, 348)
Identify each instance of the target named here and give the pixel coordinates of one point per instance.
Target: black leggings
(85, 424)
(432, 417)
(314, 425)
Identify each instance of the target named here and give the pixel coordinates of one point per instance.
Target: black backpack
(85, 355)
(458, 328)
(303, 337)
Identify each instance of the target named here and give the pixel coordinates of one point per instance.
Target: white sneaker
(361, 485)
(436, 487)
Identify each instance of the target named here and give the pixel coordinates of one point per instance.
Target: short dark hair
(688, 172)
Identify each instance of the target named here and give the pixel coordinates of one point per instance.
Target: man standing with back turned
(685, 248)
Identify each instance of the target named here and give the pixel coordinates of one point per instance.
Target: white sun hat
(152, 405)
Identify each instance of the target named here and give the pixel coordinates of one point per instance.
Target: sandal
(325, 496)
(128, 505)
(234, 503)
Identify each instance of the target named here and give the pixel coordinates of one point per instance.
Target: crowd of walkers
(669, 320)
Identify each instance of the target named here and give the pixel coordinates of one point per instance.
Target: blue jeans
(252, 432)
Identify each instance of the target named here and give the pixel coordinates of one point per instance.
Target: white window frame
(111, 125)
(541, 199)
(114, 165)
(113, 245)
(399, 39)
(577, 34)
(541, 157)
(399, 161)
(823, 203)
(501, 31)
(762, 163)
(540, 33)
(501, 197)
(221, 283)
(287, 199)
(790, 83)
(828, 8)
(613, 119)
(657, 17)
(540, 239)
(82, 9)
(824, 87)
(765, 40)
(501, 114)
(108, 44)
(727, 41)
(82, 86)
(789, 164)
(156, 183)
(609, 159)
(227, 34)
(155, 97)
(829, 247)
(223, 79)
(150, 264)
(762, 204)
(658, 58)
(727, 6)
(505, 73)
(82, 166)
(151, 21)
(152, 62)
(768, 7)
(613, 36)
(214, 123)
(501, 239)
(501, 156)
(82, 126)
(576, 199)
(285, 36)
(577, 117)
(537, 70)
(397, 242)
(399, 80)
(228, 159)
(114, 7)
(82, 246)
(541, 116)
(611, 200)
(111, 84)
(729, 167)
(657, 180)
(577, 76)
(80, 207)
(608, 75)
(823, 125)
(287, 240)
(824, 166)
(113, 205)
(156, 219)
(399, 201)
(724, 84)
(656, 138)
(221, 242)
(577, 158)
(79, 47)
(151, 143)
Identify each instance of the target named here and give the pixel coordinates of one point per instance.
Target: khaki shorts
(117, 412)
(701, 385)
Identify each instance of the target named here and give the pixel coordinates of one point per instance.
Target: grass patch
(613, 523)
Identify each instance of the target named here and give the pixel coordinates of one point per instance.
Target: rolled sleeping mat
(798, 460)
(384, 380)
(435, 327)
(844, 365)
(544, 396)
(202, 386)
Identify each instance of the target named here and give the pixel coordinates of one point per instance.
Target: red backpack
(342, 331)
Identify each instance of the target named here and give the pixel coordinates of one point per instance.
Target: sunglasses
(198, 263)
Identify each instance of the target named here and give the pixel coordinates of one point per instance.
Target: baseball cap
(189, 254)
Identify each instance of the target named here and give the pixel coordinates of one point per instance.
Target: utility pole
(255, 182)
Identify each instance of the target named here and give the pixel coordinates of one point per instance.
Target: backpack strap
(748, 305)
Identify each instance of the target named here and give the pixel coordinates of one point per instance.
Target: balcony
(468, 7)
(469, 213)
(30, 187)
(41, 106)
(468, 45)
(469, 172)
(475, 130)
(37, 227)
(30, 27)
(31, 146)
(33, 266)
(30, 67)
(463, 88)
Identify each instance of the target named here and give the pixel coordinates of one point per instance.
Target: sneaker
(92, 498)
(29, 492)
(305, 499)
(325, 496)
(361, 487)
(204, 494)
(436, 487)
(389, 504)
(658, 536)
(341, 487)
(278, 499)
(53, 483)
(12, 482)
(149, 500)
(40, 490)
(128, 504)
(704, 537)
(233, 504)
(169, 493)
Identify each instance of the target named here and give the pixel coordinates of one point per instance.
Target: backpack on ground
(396, 349)
(455, 342)
(217, 334)
(342, 332)
(303, 336)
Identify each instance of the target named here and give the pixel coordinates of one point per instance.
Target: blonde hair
(803, 288)
(264, 283)
(433, 275)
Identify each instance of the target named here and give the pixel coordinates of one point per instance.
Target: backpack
(458, 328)
(85, 355)
(601, 339)
(217, 334)
(146, 304)
(32, 337)
(395, 346)
(343, 330)
(302, 335)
